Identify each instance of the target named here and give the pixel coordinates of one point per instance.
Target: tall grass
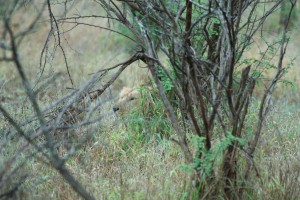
(135, 158)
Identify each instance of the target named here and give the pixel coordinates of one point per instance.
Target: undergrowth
(138, 160)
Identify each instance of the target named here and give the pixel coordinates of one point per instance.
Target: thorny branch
(203, 43)
(207, 84)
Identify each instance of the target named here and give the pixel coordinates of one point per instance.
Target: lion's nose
(115, 109)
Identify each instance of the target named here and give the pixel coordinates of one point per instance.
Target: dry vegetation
(133, 156)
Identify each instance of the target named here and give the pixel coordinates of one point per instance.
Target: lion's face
(127, 98)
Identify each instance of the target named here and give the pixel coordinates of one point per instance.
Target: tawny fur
(127, 98)
(127, 94)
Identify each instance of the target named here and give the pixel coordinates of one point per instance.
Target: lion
(127, 97)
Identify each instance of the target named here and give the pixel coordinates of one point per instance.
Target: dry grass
(115, 164)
